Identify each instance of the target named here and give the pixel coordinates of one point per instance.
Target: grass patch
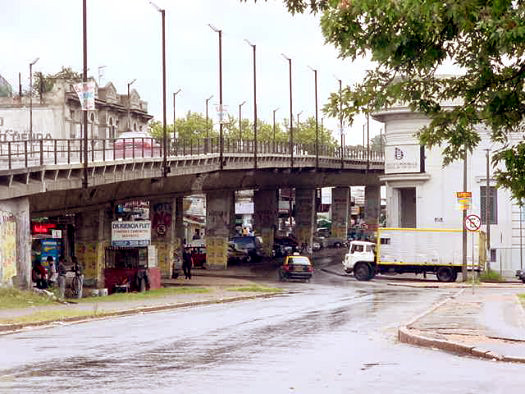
(49, 316)
(11, 298)
(491, 276)
(521, 297)
(156, 293)
(256, 289)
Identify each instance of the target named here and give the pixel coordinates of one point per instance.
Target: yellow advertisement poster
(7, 247)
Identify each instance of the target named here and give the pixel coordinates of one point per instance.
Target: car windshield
(244, 242)
(300, 260)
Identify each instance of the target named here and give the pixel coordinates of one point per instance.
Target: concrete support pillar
(15, 248)
(372, 206)
(305, 212)
(219, 206)
(266, 210)
(340, 211)
(92, 236)
(165, 234)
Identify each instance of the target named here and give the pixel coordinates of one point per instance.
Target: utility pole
(464, 271)
(84, 80)
(487, 208)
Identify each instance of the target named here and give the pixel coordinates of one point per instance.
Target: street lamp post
(165, 169)
(84, 80)
(240, 119)
(207, 127)
(31, 102)
(274, 111)
(298, 118)
(221, 140)
(341, 120)
(129, 105)
(254, 104)
(291, 102)
(174, 113)
(316, 121)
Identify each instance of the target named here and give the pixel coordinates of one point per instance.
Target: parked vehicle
(245, 249)
(296, 267)
(136, 144)
(419, 251)
(284, 246)
(520, 275)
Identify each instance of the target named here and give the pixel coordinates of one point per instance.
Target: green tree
(409, 40)
(193, 126)
(44, 83)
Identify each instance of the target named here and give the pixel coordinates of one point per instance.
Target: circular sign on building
(472, 222)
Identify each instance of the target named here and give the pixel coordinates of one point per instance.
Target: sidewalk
(217, 283)
(486, 322)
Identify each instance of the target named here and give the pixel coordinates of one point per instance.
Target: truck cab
(360, 260)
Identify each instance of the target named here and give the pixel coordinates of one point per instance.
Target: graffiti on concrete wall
(7, 247)
(161, 219)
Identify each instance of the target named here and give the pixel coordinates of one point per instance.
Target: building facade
(57, 114)
(421, 193)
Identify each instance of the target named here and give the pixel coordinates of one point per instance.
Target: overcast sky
(125, 37)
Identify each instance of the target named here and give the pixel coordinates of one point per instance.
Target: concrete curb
(407, 335)
(12, 328)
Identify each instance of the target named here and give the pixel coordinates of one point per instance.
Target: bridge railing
(25, 154)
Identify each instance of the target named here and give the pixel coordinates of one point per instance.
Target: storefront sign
(43, 228)
(402, 159)
(131, 234)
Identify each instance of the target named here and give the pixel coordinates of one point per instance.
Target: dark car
(296, 267)
(247, 249)
(284, 246)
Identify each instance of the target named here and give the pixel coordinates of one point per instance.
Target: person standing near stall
(186, 264)
(78, 280)
(51, 272)
(61, 278)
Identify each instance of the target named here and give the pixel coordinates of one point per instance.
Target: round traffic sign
(472, 222)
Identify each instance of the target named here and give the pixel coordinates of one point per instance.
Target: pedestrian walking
(61, 277)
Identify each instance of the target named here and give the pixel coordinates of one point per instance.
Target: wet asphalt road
(333, 335)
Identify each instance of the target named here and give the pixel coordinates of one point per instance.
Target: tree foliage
(193, 126)
(44, 83)
(409, 40)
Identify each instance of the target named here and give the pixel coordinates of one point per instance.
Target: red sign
(42, 228)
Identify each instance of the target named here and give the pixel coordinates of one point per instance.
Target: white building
(58, 115)
(421, 193)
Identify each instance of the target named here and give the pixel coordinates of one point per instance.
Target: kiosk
(130, 261)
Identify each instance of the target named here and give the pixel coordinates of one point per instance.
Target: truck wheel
(445, 274)
(362, 271)
(454, 276)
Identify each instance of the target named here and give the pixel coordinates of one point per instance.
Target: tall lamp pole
(31, 100)
(341, 120)
(207, 127)
(274, 111)
(221, 136)
(254, 103)
(174, 114)
(84, 80)
(316, 121)
(298, 118)
(291, 113)
(165, 169)
(240, 119)
(129, 105)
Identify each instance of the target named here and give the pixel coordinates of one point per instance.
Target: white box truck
(418, 251)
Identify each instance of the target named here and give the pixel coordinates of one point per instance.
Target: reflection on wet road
(320, 339)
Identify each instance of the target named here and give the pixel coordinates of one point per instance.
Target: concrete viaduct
(46, 183)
